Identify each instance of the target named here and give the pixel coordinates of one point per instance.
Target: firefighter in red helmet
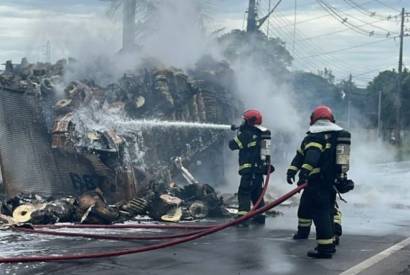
(322, 161)
(253, 143)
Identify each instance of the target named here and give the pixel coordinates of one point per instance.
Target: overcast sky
(320, 40)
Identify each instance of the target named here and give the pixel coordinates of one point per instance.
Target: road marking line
(376, 258)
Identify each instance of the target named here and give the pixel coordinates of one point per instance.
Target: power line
(387, 6)
(349, 48)
(314, 65)
(310, 19)
(360, 20)
(372, 71)
(324, 61)
(305, 21)
(365, 11)
(335, 32)
(343, 18)
(319, 61)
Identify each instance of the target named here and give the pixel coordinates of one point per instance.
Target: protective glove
(290, 176)
(303, 177)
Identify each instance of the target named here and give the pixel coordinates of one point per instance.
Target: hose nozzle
(234, 127)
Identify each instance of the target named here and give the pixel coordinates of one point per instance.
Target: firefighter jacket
(248, 142)
(316, 157)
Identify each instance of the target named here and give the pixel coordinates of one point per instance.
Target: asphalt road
(254, 250)
(375, 220)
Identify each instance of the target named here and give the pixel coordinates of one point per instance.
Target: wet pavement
(376, 218)
(254, 250)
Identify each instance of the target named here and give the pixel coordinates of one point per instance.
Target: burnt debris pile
(117, 150)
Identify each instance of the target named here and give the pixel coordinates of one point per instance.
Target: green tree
(386, 82)
(270, 53)
(312, 90)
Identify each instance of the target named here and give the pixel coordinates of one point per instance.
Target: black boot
(243, 224)
(302, 234)
(322, 251)
(319, 254)
(331, 250)
(259, 219)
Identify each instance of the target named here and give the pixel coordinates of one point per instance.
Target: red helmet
(321, 112)
(252, 117)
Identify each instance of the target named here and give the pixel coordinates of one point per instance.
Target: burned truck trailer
(28, 162)
(61, 138)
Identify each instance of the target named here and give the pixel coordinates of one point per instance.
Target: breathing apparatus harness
(342, 184)
(264, 141)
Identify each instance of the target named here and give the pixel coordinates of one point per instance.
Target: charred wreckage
(70, 152)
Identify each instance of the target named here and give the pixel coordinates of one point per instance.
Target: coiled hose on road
(179, 239)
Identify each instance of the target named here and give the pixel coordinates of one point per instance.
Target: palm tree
(129, 13)
(137, 16)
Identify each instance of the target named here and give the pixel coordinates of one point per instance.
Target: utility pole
(128, 31)
(379, 115)
(397, 129)
(254, 24)
(252, 13)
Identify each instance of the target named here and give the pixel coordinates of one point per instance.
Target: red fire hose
(105, 237)
(209, 231)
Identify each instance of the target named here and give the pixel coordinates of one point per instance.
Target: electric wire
(325, 61)
(334, 32)
(348, 48)
(317, 62)
(367, 12)
(343, 18)
(387, 6)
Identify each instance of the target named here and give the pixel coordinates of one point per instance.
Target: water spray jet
(149, 124)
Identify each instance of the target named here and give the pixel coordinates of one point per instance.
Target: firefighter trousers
(249, 191)
(316, 205)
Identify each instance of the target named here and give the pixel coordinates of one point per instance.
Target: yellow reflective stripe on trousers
(252, 144)
(244, 166)
(238, 142)
(328, 146)
(308, 167)
(294, 168)
(304, 222)
(315, 145)
(337, 218)
(325, 241)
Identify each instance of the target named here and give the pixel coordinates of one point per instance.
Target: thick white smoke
(177, 35)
